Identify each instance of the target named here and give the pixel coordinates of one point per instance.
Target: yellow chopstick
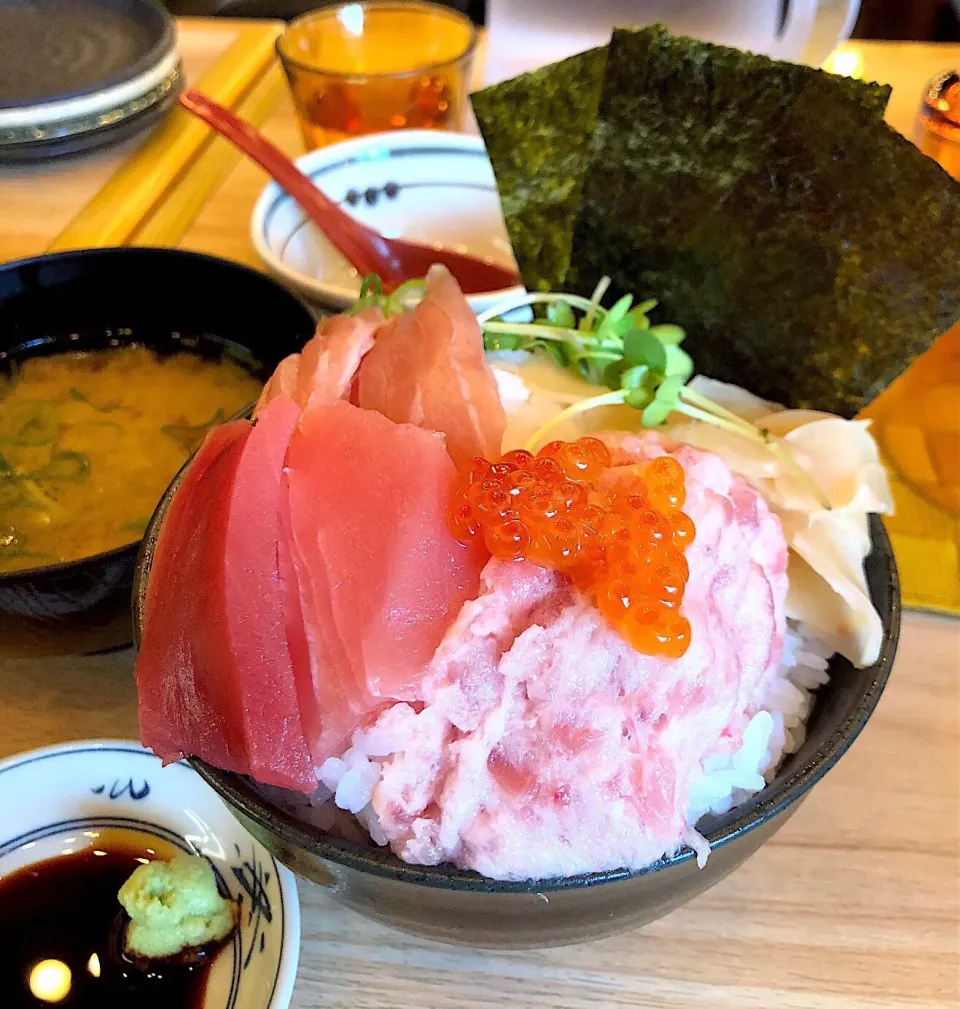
(202, 178)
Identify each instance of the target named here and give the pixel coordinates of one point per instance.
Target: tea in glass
(370, 67)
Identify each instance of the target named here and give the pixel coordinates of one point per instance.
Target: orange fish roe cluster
(623, 546)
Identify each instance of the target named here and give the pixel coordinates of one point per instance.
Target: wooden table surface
(855, 904)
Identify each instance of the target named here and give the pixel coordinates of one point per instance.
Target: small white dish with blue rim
(425, 185)
(60, 799)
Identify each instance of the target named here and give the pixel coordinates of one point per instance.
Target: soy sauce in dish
(61, 934)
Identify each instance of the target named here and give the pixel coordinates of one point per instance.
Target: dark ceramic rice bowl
(453, 905)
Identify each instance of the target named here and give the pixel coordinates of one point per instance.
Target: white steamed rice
(774, 732)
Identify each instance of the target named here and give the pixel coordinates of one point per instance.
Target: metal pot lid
(70, 67)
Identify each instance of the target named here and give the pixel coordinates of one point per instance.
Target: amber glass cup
(940, 120)
(368, 67)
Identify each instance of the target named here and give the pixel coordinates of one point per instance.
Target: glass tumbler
(368, 67)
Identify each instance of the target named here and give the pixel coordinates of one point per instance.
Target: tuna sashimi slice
(214, 674)
(381, 577)
(283, 382)
(332, 702)
(254, 604)
(428, 368)
(187, 704)
(330, 360)
(324, 370)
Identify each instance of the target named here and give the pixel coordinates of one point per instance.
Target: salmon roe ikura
(623, 546)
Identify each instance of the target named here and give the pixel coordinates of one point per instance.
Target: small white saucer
(58, 799)
(425, 185)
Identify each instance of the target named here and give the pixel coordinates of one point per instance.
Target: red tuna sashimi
(255, 601)
(214, 674)
(283, 382)
(187, 702)
(428, 368)
(330, 700)
(324, 370)
(330, 360)
(381, 577)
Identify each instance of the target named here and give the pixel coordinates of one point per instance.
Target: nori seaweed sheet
(810, 251)
(537, 128)
(810, 254)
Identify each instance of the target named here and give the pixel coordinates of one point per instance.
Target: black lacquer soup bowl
(164, 299)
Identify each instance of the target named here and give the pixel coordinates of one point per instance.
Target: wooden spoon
(394, 260)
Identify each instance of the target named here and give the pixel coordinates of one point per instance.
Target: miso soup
(89, 442)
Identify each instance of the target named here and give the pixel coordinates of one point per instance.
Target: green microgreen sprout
(643, 365)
